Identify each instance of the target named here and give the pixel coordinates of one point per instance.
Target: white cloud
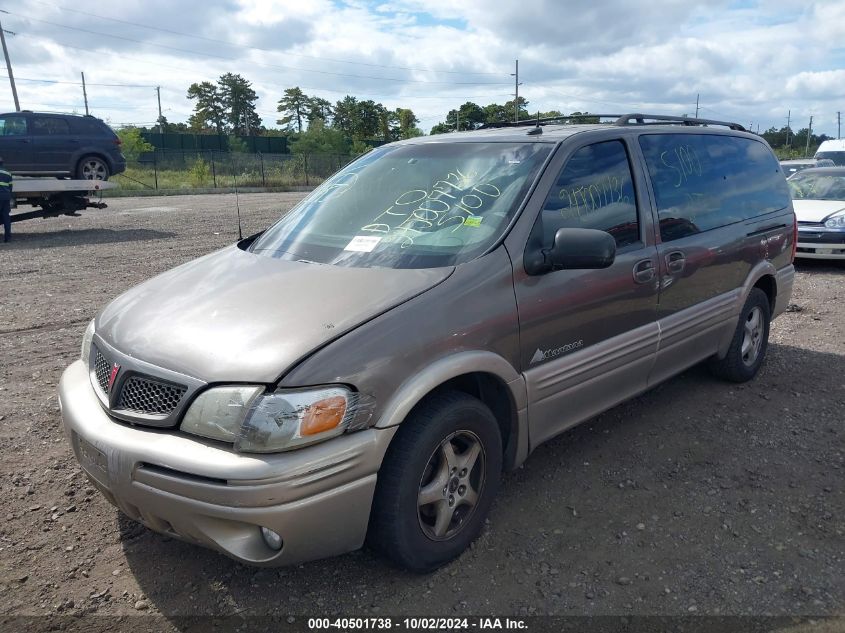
(750, 64)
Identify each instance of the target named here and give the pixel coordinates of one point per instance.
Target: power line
(79, 83)
(365, 94)
(273, 66)
(264, 50)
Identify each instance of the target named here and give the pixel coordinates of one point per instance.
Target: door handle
(675, 261)
(644, 271)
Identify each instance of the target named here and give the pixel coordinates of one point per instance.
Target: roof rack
(657, 119)
(618, 119)
(551, 119)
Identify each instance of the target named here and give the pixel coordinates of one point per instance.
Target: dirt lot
(698, 497)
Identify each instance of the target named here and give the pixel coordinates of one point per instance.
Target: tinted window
(13, 126)
(838, 158)
(409, 206)
(594, 190)
(88, 125)
(702, 182)
(49, 126)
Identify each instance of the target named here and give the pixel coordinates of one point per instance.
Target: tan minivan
(365, 368)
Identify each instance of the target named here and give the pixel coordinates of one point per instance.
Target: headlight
(269, 423)
(836, 222)
(219, 412)
(85, 352)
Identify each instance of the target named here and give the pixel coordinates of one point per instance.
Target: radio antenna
(237, 200)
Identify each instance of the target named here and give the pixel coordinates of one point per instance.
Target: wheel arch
(89, 154)
(483, 375)
(762, 276)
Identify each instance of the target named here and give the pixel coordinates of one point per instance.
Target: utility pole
(84, 93)
(9, 67)
(696, 104)
(516, 86)
(838, 125)
(788, 117)
(457, 120)
(809, 134)
(158, 96)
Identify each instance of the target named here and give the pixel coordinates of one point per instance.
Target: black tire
(93, 168)
(737, 365)
(400, 527)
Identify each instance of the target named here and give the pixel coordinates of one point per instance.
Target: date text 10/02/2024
(417, 624)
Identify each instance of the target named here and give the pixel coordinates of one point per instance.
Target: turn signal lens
(323, 416)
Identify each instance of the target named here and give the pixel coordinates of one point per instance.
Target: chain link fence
(188, 170)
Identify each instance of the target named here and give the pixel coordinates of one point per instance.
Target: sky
(755, 63)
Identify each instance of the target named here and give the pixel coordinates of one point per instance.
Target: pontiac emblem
(114, 371)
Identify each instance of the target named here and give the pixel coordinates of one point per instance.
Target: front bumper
(820, 242)
(317, 499)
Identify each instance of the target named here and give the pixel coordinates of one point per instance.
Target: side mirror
(574, 249)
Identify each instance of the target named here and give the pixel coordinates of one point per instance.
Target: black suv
(39, 144)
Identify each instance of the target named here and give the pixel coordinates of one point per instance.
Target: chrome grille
(102, 369)
(149, 396)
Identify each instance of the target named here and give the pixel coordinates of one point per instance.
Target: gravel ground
(698, 497)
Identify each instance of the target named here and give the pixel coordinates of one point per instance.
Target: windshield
(838, 158)
(409, 206)
(809, 186)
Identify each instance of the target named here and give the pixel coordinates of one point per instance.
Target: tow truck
(52, 197)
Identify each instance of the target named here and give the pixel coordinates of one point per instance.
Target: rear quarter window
(706, 181)
(90, 127)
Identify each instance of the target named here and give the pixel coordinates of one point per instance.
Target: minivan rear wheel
(749, 343)
(92, 168)
(437, 482)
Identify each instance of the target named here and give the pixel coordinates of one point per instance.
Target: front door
(588, 337)
(15, 143)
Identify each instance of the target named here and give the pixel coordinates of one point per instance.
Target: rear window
(838, 158)
(705, 181)
(89, 126)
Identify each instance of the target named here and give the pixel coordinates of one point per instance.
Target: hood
(816, 210)
(237, 316)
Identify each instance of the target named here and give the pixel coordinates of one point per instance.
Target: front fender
(416, 387)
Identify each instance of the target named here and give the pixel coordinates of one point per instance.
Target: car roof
(801, 161)
(556, 128)
(56, 114)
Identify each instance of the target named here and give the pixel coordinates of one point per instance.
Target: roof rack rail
(551, 119)
(657, 119)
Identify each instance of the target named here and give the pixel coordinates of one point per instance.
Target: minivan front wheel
(437, 482)
(749, 343)
(92, 168)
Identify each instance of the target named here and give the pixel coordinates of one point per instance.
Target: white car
(819, 199)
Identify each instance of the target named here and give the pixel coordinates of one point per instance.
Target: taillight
(117, 141)
(794, 236)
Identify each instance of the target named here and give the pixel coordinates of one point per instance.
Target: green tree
(319, 139)
(319, 108)
(583, 117)
(496, 113)
(132, 143)
(238, 100)
(345, 114)
(294, 105)
(407, 123)
(442, 128)
(210, 109)
(367, 123)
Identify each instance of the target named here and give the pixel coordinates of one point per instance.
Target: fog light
(272, 539)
